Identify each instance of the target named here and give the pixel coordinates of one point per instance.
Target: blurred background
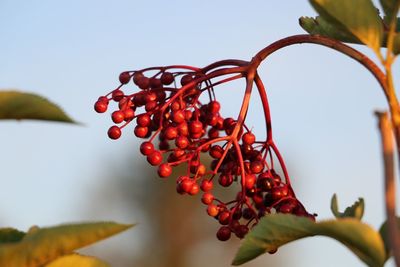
(73, 51)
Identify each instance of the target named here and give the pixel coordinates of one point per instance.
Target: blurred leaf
(396, 44)
(319, 26)
(355, 211)
(391, 8)
(76, 260)
(385, 236)
(41, 245)
(276, 230)
(19, 106)
(10, 235)
(356, 17)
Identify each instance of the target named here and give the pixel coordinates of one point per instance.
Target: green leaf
(10, 235)
(41, 245)
(74, 260)
(319, 26)
(391, 8)
(384, 232)
(276, 230)
(355, 17)
(354, 211)
(18, 105)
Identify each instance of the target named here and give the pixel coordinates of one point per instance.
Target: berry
(143, 120)
(212, 210)
(146, 148)
(155, 158)
(118, 116)
(214, 106)
(186, 79)
(224, 233)
(206, 185)
(207, 198)
(167, 78)
(114, 132)
(248, 138)
(164, 170)
(140, 131)
(101, 106)
(124, 77)
(224, 217)
(117, 95)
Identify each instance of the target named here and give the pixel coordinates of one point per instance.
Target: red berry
(256, 166)
(117, 116)
(216, 151)
(206, 185)
(164, 170)
(207, 198)
(212, 210)
(171, 133)
(186, 79)
(143, 83)
(213, 106)
(124, 77)
(141, 132)
(117, 95)
(241, 231)
(155, 158)
(225, 180)
(137, 76)
(155, 83)
(114, 132)
(195, 127)
(224, 217)
(279, 192)
(248, 138)
(129, 114)
(146, 148)
(250, 181)
(178, 116)
(143, 120)
(224, 233)
(194, 189)
(167, 78)
(100, 106)
(181, 142)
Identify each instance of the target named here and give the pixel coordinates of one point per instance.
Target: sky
(322, 103)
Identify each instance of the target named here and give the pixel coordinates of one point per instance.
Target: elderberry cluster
(168, 107)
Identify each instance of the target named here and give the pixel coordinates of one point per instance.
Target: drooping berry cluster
(170, 106)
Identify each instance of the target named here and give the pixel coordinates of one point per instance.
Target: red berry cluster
(170, 105)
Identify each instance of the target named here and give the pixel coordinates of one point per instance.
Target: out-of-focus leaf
(354, 211)
(276, 230)
(319, 26)
(42, 245)
(10, 235)
(76, 260)
(384, 232)
(391, 8)
(356, 17)
(20, 106)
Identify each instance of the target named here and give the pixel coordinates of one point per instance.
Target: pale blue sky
(72, 51)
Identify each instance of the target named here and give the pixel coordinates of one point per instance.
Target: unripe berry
(114, 132)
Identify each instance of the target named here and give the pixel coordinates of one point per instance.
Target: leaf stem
(390, 189)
